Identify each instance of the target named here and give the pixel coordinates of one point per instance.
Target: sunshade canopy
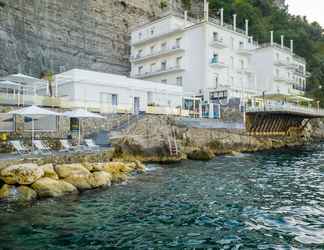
(81, 113)
(34, 111)
(9, 84)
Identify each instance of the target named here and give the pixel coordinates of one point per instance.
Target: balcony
(245, 70)
(217, 64)
(173, 69)
(245, 50)
(281, 63)
(280, 78)
(218, 43)
(157, 36)
(162, 52)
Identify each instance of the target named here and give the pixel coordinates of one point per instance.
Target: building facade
(279, 70)
(109, 93)
(209, 58)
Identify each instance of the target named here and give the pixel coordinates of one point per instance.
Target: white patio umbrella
(81, 113)
(34, 112)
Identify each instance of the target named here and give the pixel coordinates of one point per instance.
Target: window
(242, 64)
(179, 81)
(152, 49)
(232, 62)
(232, 43)
(153, 67)
(215, 36)
(232, 80)
(277, 72)
(140, 69)
(164, 81)
(178, 61)
(139, 53)
(277, 56)
(241, 45)
(215, 58)
(163, 65)
(163, 46)
(114, 99)
(216, 81)
(140, 35)
(178, 43)
(152, 31)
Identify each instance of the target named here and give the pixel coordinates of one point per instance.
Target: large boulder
(48, 187)
(49, 171)
(100, 179)
(80, 181)
(21, 193)
(118, 171)
(24, 174)
(201, 155)
(66, 170)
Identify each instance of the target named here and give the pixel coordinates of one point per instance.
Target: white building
(209, 58)
(214, 60)
(114, 93)
(279, 70)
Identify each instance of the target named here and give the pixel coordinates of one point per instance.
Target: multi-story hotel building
(278, 69)
(214, 60)
(208, 57)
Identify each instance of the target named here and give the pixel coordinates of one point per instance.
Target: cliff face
(57, 35)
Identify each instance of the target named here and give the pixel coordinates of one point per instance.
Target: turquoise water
(272, 200)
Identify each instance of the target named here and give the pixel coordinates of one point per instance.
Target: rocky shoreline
(54, 176)
(23, 182)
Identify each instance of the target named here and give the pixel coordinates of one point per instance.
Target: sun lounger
(90, 145)
(68, 147)
(42, 147)
(20, 147)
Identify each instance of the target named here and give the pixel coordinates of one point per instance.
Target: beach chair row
(41, 147)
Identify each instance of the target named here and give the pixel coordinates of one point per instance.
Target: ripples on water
(253, 201)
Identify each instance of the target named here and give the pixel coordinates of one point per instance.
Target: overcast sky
(313, 9)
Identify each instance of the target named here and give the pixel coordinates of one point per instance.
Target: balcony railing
(287, 107)
(157, 36)
(218, 43)
(281, 78)
(159, 72)
(217, 64)
(162, 52)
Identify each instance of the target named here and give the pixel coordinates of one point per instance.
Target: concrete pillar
(271, 37)
(292, 46)
(246, 27)
(282, 41)
(222, 17)
(185, 17)
(234, 22)
(206, 7)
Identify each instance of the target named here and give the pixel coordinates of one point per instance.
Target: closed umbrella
(81, 113)
(34, 112)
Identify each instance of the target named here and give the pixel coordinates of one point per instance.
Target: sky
(312, 9)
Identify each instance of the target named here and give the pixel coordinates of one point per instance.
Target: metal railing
(160, 71)
(95, 106)
(157, 53)
(287, 107)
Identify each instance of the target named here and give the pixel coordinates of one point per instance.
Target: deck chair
(42, 147)
(20, 147)
(67, 146)
(90, 145)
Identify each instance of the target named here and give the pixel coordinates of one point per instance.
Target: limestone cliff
(57, 35)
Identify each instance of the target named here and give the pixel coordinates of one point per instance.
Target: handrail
(286, 108)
